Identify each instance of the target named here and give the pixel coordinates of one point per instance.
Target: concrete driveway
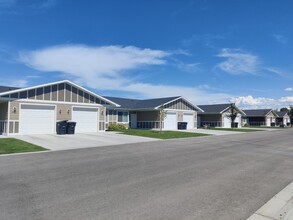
(76, 141)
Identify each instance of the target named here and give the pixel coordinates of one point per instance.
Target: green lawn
(12, 145)
(235, 129)
(163, 135)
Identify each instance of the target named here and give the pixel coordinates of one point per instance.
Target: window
(107, 115)
(122, 116)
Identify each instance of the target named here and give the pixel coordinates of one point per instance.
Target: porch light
(14, 110)
(68, 111)
(60, 111)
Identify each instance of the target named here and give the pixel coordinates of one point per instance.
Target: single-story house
(35, 110)
(136, 113)
(282, 118)
(216, 115)
(259, 117)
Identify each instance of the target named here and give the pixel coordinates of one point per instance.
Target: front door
(133, 120)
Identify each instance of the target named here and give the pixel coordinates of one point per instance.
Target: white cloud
(288, 99)
(40, 4)
(195, 95)
(103, 65)
(105, 68)
(280, 38)
(238, 62)
(188, 67)
(250, 102)
(289, 89)
(15, 83)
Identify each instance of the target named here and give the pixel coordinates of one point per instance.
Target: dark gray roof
(281, 114)
(216, 108)
(257, 112)
(140, 104)
(7, 88)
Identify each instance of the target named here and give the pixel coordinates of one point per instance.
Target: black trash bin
(61, 127)
(71, 127)
(182, 125)
(235, 125)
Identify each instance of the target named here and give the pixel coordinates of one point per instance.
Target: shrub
(116, 127)
(246, 125)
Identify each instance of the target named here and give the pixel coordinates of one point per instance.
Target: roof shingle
(140, 104)
(7, 88)
(257, 112)
(216, 108)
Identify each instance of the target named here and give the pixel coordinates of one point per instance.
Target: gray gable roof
(7, 88)
(257, 112)
(140, 104)
(217, 108)
(281, 114)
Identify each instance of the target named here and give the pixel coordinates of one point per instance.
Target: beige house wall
(271, 117)
(179, 116)
(62, 92)
(179, 104)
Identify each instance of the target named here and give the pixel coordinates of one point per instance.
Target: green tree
(233, 114)
(162, 116)
(284, 109)
(290, 113)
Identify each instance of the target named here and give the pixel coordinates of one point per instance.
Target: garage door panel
(37, 119)
(170, 121)
(86, 119)
(189, 118)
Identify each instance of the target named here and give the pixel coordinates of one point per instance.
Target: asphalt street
(217, 177)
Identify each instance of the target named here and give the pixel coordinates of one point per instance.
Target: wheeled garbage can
(71, 127)
(182, 125)
(61, 127)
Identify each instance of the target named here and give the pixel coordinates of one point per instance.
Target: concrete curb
(280, 207)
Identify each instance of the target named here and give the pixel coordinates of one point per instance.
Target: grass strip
(12, 145)
(161, 135)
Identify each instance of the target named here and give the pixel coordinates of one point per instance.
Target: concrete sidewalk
(76, 141)
(279, 207)
(213, 132)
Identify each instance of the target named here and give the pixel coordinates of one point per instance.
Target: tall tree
(233, 114)
(290, 113)
(284, 109)
(162, 115)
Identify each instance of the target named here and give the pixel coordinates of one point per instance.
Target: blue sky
(208, 51)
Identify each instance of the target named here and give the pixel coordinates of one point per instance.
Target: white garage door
(189, 118)
(37, 119)
(170, 122)
(86, 119)
(227, 122)
(268, 122)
